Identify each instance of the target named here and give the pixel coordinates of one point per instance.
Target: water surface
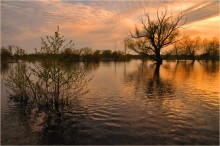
(127, 103)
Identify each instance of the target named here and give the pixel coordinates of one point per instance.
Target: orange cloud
(205, 28)
(97, 24)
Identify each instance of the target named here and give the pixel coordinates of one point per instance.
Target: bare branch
(159, 32)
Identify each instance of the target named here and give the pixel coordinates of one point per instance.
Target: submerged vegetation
(47, 85)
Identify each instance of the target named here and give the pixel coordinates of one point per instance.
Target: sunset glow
(97, 24)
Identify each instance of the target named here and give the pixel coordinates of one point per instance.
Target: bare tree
(157, 33)
(210, 48)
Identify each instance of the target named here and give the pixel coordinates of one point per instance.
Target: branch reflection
(47, 98)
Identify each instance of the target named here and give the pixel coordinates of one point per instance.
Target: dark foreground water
(128, 103)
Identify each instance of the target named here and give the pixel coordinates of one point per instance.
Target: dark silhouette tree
(156, 34)
(6, 53)
(107, 53)
(97, 55)
(210, 48)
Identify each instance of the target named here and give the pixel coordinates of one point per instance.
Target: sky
(97, 24)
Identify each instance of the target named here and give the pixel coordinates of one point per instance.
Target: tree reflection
(65, 129)
(156, 86)
(149, 85)
(184, 67)
(210, 66)
(4, 67)
(148, 79)
(47, 93)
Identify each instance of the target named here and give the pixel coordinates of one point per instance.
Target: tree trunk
(157, 70)
(158, 58)
(193, 57)
(177, 58)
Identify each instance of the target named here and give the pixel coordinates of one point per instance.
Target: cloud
(202, 11)
(207, 28)
(88, 23)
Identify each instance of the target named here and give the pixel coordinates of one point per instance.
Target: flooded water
(127, 103)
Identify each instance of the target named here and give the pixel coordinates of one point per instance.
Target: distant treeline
(14, 53)
(196, 49)
(54, 47)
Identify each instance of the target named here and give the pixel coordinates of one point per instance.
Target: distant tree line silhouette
(188, 48)
(11, 52)
(68, 54)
